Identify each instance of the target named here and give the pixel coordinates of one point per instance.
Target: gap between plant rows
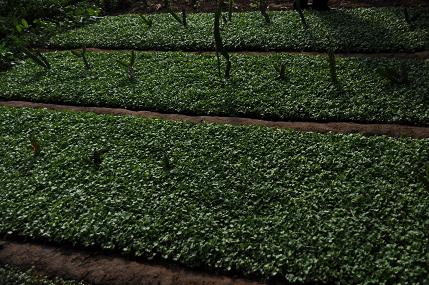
(393, 130)
(97, 268)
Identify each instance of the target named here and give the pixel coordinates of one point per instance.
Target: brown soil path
(96, 268)
(394, 130)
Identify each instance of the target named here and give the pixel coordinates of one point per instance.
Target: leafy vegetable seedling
(230, 7)
(166, 163)
(395, 76)
(181, 20)
(410, 19)
(298, 7)
(37, 57)
(82, 55)
(97, 157)
(220, 49)
(148, 21)
(35, 145)
(427, 176)
(332, 67)
(263, 8)
(21, 25)
(129, 65)
(281, 69)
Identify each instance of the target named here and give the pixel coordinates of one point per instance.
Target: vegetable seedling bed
(348, 30)
(305, 207)
(176, 82)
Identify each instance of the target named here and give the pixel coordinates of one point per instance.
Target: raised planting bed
(189, 83)
(350, 30)
(261, 202)
(10, 275)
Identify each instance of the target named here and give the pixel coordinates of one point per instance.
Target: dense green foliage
(374, 29)
(12, 12)
(14, 276)
(23, 23)
(301, 206)
(189, 83)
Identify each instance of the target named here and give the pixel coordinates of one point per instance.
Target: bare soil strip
(96, 268)
(393, 130)
(400, 55)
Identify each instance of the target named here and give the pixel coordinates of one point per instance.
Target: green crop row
(189, 83)
(10, 275)
(305, 207)
(369, 30)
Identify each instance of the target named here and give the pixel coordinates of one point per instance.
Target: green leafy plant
(248, 190)
(7, 58)
(21, 25)
(230, 8)
(220, 49)
(332, 67)
(292, 103)
(148, 21)
(35, 145)
(425, 176)
(181, 20)
(281, 69)
(98, 156)
(82, 55)
(184, 18)
(37, 57)
(396, 76)
(359, 32)
(129, 66)
(10, 275)
(167, 165)
(263, 9)
(410, 19)
(298, 8)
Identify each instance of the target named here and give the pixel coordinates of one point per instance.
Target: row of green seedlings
(393, 75)
(298, 5)
(128, 65)
(38, 58)
(97, 156)
(182, 19)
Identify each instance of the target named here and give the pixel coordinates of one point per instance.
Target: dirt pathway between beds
(393, 130)
(96, 268)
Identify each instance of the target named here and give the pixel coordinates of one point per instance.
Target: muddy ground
(97, 268)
